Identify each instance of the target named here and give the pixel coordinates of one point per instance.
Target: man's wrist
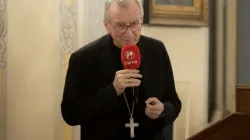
(163, 113)
(118, 93)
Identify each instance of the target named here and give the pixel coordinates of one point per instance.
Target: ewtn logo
(130, 55)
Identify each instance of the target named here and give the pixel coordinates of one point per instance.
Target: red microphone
(130, 57)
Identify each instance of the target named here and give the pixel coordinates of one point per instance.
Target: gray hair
(120, 3)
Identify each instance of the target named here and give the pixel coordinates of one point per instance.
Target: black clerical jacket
(89, 97)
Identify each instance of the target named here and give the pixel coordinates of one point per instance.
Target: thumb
(152, 100)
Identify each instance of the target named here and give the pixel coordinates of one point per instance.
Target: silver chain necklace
(130, 113)
(131, 123)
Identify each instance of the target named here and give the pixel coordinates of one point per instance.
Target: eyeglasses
(121, 28)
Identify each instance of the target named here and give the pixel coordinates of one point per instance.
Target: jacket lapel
(107, 62)
(149, 85)
(143, 69)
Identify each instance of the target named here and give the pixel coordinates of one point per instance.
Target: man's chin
(126, 43)
(129, 43)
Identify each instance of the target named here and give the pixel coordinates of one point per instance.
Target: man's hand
(126, 78)
(154, 108)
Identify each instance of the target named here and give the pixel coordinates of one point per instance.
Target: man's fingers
(153, 107)
(128, 76)
(132, 80)
(133, 84)
(132, 75)
(130, 83)
(152, 114)
(127, 71)
(152, 100)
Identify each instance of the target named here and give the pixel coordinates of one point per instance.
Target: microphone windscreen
(130, 57)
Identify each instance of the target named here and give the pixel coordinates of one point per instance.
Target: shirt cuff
(162, 114)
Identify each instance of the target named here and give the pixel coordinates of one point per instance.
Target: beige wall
(231, 55)
(188, 50)
(32, 70)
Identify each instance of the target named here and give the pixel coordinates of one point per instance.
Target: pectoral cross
(132, 126)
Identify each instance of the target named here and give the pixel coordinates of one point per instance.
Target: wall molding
(3, 31)
(68, 44)
(182, 126)
(3, 46)
(68, 26)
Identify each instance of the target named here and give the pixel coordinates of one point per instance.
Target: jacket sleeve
(81, 102)
(171, 101)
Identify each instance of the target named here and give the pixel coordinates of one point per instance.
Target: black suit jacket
(90, 99)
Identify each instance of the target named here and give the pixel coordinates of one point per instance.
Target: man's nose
(129, 32)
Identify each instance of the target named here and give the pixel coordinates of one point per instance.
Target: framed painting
(176, 12)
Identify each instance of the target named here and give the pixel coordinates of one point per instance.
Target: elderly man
(113, 103)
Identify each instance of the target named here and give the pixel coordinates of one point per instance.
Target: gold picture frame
(167, 13)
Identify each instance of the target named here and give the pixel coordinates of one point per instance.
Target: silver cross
(132, 126)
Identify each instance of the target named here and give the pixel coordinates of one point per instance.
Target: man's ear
(142, 20)
(106, 25)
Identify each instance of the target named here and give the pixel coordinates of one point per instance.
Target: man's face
(120, 19)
